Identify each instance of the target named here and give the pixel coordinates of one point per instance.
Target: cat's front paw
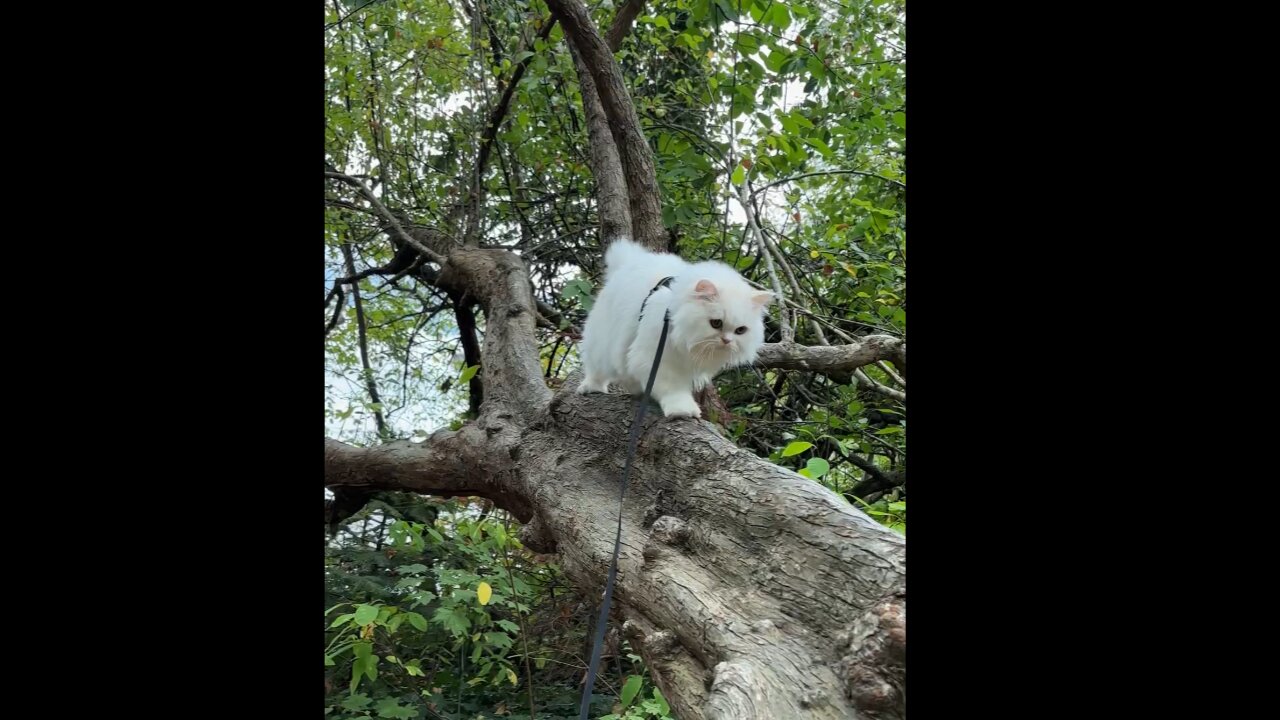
(591, 385)
(679, 406)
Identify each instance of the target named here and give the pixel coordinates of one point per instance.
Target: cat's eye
(716, 324)
(740, 330)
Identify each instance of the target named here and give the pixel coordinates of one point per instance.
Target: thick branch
(840, 359)
(633, 150)
(622, 23)
(448, 464)
(509, 360)
(611, 184)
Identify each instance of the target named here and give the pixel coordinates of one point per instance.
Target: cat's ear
(762, 299)
(705, 290)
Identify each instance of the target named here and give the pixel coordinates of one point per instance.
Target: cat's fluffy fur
(618, 346)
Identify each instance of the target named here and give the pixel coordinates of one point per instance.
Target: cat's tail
(622, 252)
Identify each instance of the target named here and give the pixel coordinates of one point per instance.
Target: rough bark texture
(841, 359)
(624, 124)
(752, 592)
(611, 186)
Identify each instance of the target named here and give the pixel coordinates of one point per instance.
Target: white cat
(716, 322)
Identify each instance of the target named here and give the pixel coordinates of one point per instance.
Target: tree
(750, 590)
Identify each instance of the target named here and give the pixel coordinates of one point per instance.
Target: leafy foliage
(800, 106)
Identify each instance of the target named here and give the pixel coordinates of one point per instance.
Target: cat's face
(722, 324)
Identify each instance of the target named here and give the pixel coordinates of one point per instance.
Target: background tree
(477, 158)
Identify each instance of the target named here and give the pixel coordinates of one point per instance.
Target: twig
(829, 172)
(788, 332)
(387, 215)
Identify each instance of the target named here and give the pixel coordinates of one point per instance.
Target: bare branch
(611, 184)
(863, 173)
(363, 343)
(622, 23)
(447, 464)
(552, 318)
(633, 149)
(889, 371)
(881, 480)
(386, 214)
(781, 257)
(753, 224)
(833, 358)
(491, 128)
(880, 388)
(337, 310)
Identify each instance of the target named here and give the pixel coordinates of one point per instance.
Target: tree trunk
(752, 592)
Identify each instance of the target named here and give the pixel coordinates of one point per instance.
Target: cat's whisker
(702, 301)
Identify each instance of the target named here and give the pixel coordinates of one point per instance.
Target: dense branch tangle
(751, 592)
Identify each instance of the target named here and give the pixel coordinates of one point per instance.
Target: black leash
(602, 622)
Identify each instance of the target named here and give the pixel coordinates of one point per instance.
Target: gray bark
(753, 593)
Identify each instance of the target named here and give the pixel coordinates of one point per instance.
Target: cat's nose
(726, 340)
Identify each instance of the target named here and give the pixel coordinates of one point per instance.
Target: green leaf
(366, 614)
(468, 373)
(662, 22)
(900, 119)
(497, 639)
(630, 689)
(417, 621)
(454, 619)
(795, 448)
(820, 146)
(739, 175)
(777, 16)
(341, 619)
(815, 67)
(356, 702)
(663, 707)
(817, 467)
(390, 708)
(727, 8)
